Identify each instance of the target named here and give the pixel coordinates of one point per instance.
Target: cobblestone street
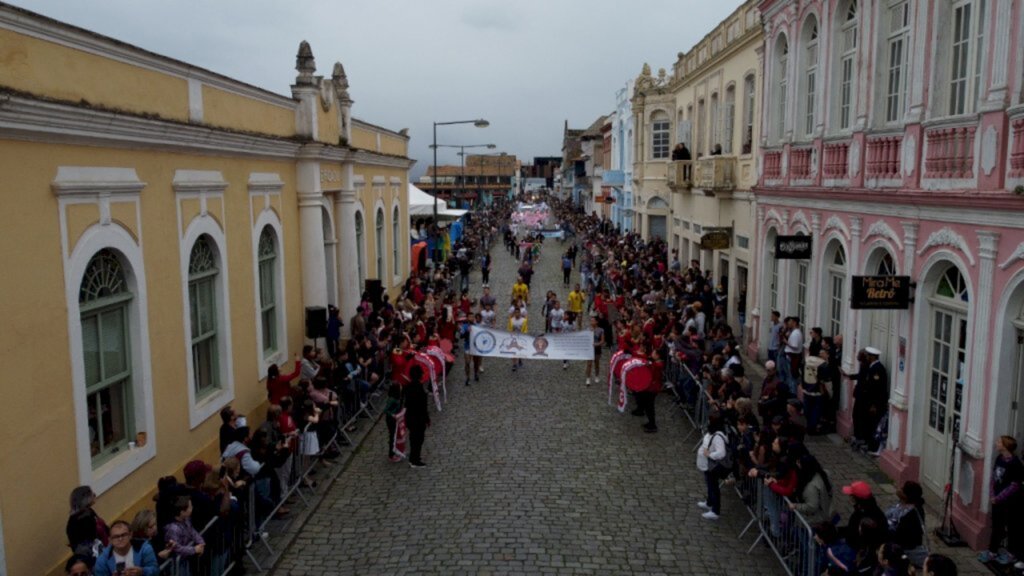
(528, 472)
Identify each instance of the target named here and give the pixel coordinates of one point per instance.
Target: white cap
(873, 351)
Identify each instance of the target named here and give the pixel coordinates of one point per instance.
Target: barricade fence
(248, 529)
(784, 530)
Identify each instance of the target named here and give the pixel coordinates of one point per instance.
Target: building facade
(619, 176)
(482, 179)
(704, 207)
(172, 224)
(893, 138)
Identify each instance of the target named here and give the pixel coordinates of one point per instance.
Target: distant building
(618, 174)
(479, 182)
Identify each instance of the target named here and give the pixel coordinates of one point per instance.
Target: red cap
(195, 471)
(860, 490)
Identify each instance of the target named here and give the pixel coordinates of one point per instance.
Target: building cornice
(38, 26)
(34, 120)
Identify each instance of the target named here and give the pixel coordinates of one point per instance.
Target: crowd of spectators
(651, 306)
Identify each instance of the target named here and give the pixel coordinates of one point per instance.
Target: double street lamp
(462, 154)
(479, 123)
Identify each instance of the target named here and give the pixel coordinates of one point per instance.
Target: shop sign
(716, 239)
(880, 292)
(792, 247)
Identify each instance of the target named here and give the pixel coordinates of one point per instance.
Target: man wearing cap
(870, 398)
(865, 507)
(773, 394)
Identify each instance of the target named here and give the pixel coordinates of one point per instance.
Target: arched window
(810, 75)
(659, 135)
(267, 259)
(104, 298)
(730, 119)
(749, 89)
(782, 85)
(360, 250)
(380, 243)
(202, 297)
(847, 50)
(395, 228)
(897, 43)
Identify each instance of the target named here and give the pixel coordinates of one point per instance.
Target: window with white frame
(847, 69)
(104, 299)
(267, 261)
(396, 265)
(713, 123)
(698, 144)
(749, 89)
(202, 297)
(782, 83)
(810, 73)
(730, 119)
(968, 19)
(897, 42)
(380, 243)
(659, 136)
(360, 249)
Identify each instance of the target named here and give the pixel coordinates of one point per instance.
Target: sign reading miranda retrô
(885, 292)
(792, 247)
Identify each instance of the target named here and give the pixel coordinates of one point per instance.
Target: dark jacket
(416, 413)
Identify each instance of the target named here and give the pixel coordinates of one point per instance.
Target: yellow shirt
(519, 325)
(576, 302)
(520, 290)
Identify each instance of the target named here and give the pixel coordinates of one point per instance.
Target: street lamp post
(479, 123)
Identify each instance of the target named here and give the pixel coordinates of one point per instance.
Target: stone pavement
(528, 473)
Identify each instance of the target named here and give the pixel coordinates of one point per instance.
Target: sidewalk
(845, 466)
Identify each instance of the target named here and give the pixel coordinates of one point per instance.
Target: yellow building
(704, 207)
(166, 227)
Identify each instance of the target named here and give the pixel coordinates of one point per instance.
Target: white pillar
(348, 258)
(311, 222)
(1000, 54)
(899, 391)
(814, 283)
(850, 344)
(977, 351)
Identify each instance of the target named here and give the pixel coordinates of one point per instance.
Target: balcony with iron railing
(715, 175)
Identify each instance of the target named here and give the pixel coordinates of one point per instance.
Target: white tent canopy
(422, 204)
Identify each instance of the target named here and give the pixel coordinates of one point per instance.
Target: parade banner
(401, 435)
(500, 344)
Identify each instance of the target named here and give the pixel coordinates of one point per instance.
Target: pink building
(893, 136)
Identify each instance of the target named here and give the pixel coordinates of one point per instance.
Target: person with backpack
(714, 460)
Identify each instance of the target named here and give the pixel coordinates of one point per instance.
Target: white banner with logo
(500, 344)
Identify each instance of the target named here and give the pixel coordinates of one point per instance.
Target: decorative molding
(265, 182)
(379, 181)
(85, 180)
(800, 218)
(199, 181)
(909, 160)
(881, 228)
(395, 181)
(853, 158)
(33, 120)
(834, 223)
(947, 237)
(988, 150)
(1018, 254)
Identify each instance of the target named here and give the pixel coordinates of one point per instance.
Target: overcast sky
(524, 65)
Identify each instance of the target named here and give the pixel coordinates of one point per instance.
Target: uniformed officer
(870, 397)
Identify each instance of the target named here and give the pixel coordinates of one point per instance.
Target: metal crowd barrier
(785, 531)
(225, 542)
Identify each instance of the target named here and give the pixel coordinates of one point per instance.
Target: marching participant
(517, 323)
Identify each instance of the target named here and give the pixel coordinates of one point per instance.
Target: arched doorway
(945, 373)
(834, 298)
(881, 326)
(1009, 408)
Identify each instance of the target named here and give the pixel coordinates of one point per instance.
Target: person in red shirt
(280, 385)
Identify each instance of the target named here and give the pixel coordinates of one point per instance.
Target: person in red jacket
(781, 481)
(280, 385)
